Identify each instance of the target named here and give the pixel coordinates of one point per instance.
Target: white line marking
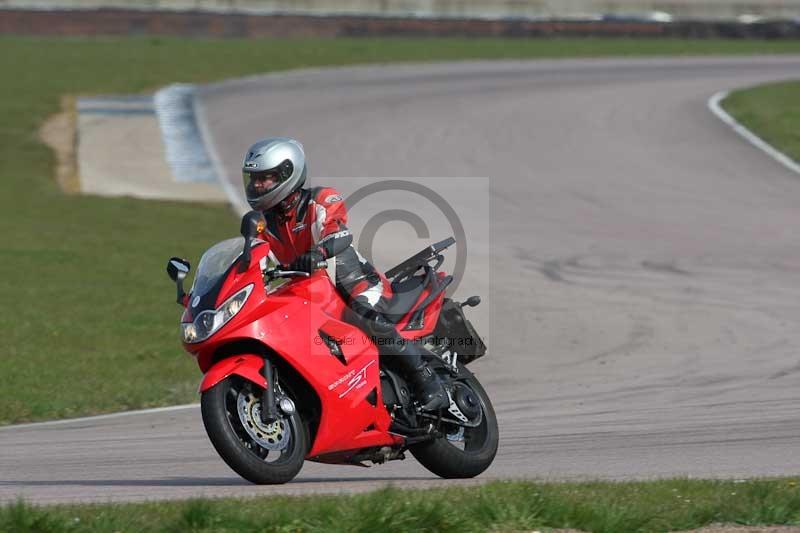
(102, 417)
(715, 107)
(238, 204)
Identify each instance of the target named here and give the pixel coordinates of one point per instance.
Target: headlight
(208, 322)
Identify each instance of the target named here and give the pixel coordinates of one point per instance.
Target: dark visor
(277, 175)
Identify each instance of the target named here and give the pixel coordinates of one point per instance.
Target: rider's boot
(428, 388)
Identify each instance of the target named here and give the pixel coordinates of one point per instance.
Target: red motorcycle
(290, 376)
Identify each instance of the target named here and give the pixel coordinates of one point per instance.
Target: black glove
(308, 262)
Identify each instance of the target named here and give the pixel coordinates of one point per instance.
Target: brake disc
(271, 437)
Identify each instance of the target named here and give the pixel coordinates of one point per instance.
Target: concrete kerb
(143, 146)
(715, 106)
(184, 147)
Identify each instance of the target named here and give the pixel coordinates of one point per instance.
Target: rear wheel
(260, 453)
(463, 452)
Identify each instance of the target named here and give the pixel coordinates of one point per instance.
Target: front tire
(446, 457)
(265, 455)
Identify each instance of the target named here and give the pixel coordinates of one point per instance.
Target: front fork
(269, 409)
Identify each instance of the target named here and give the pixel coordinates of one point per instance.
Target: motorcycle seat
(405, 295)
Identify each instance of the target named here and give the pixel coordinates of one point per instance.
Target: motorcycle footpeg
(407, 431)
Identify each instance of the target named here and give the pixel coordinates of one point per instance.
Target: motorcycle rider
(308, 226)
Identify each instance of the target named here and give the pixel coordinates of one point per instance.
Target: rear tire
(227, 407)
(445, 459)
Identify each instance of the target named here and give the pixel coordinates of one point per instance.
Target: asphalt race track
(643, 260)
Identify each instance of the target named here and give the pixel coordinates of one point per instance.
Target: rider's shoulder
(327, 196)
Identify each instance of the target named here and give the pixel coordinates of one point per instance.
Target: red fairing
(429, 317)
(247, 365)
(291, 322)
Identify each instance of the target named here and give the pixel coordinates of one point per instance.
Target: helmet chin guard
(279, 162)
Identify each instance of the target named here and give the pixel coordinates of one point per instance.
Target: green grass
(771, 111)
(87, 317)
(499, 506)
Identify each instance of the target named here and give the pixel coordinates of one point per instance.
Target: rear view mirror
(253, 223)
(177, 269)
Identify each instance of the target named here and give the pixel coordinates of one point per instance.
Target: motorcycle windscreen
(214, 264)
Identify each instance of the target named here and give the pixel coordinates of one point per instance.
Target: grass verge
(772, 112)
(86, 312)
(499, 506)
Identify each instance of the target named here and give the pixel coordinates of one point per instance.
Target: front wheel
(463, 452)
(266, 454)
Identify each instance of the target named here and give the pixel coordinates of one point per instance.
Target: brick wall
(205, 24)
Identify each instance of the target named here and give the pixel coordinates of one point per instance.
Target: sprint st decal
(355, 379)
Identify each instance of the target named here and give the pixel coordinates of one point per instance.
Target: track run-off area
(639, 264)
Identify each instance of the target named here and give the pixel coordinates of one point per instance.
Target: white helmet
(272, 170)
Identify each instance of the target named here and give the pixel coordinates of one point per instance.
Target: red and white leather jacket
(318, 221)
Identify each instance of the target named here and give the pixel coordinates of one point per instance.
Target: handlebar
(278, 273)
(319, 266)
(283, 271)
